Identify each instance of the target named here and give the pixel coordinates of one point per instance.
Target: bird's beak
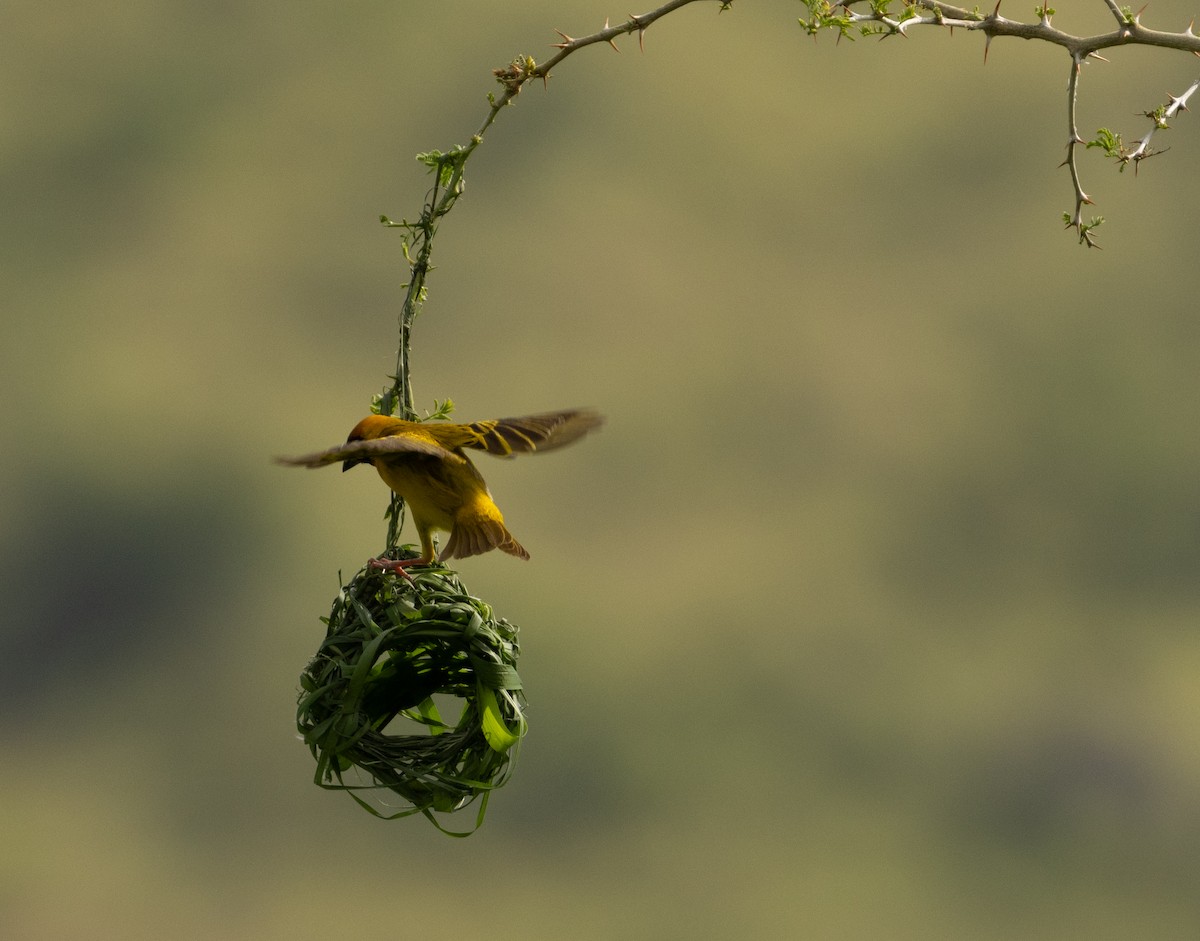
(347, 464)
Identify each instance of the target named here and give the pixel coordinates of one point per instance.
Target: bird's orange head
(371, 427)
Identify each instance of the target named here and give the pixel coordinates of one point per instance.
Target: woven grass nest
(367, 709)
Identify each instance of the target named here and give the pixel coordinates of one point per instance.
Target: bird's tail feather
(475, 533)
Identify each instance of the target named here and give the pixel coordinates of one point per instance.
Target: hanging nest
(367, 709)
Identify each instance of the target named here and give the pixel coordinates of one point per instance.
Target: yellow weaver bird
(424, 463)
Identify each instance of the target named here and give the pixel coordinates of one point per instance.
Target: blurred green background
(872, 612)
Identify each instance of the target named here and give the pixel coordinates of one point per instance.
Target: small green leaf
(494, 730)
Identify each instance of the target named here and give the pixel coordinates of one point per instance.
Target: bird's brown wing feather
(365, 450)
(505, 437)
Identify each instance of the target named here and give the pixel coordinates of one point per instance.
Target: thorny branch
(449, 182)
(1158, 117)
(1075, 220)
(522, 69)
(872, 17)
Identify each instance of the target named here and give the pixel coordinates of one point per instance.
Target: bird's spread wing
(365, 450)
(505, 437)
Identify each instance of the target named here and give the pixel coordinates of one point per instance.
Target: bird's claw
(397, 566)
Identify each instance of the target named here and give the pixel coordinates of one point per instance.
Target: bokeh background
(872, 612)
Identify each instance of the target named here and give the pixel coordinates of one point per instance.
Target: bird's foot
(397, 566)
